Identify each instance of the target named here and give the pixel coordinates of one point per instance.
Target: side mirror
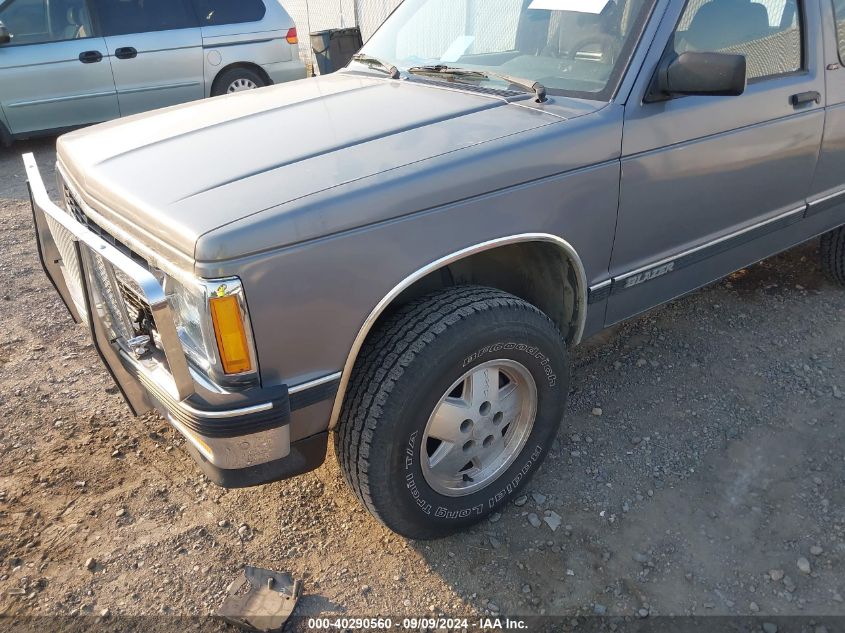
(5, 36)
(703, 74)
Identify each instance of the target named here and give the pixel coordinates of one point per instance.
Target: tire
(413, 367)
(833, 255)
(243, 78)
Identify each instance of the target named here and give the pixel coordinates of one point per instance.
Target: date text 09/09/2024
(416, 624)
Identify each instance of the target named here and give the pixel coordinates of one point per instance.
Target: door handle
(91, 57)
(127, 52)
(806, 97)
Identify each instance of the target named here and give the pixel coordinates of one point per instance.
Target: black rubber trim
(247, 424)
(711, 251)
(305, 455)
(824, 205)
(244, 43)
(314, 395)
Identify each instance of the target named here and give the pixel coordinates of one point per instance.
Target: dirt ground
(710, 482)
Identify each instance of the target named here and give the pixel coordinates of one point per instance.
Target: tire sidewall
(532, 342)
(227, 78)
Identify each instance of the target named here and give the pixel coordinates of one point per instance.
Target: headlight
(213, 325)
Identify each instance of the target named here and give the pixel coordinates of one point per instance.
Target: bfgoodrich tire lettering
(412, 360)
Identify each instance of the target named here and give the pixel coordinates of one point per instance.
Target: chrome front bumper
(229, 431)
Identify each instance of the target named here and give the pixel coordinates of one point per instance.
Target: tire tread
(833, 255)
(389, 350)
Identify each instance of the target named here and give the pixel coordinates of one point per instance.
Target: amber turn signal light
(231, 337)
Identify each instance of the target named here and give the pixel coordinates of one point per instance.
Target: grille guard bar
(89, 246)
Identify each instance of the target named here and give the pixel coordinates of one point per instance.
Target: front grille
(75, 209)
(138, 308)
(128, 311)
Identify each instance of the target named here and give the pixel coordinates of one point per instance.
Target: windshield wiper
(529, 85)
(378, 64)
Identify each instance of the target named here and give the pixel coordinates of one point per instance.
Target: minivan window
(839, 11)
(40, 21)
(214, 12)
(120, 17)
(767, 32)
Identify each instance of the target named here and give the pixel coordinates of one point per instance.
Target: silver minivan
(67, 63)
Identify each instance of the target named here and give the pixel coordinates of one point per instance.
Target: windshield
(572, 47)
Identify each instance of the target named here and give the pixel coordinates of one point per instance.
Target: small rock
(816, 550)
(120, 513)
(643, 613)
(539, 499)
(223, 523)
(243, 531)
(770, 627)
(520, 501)
(553, 521)
(599, 609)
(526, 588)
(754, 607)
(493, 607)
(105, 613)
(534, 520)
(837, 393)
(365, 588)
(640, 557)
(598, 412)
(90, 564)
(803, 565)
(495, 517)
(494, 542)
(776, 574)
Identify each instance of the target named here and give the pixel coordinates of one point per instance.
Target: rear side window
(120, 17)
(40, 21)
(839, 10)
(213, 12)
(767, 32)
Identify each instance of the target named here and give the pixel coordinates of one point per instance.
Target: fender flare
(364, 331)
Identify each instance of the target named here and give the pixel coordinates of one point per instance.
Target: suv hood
(166, 178)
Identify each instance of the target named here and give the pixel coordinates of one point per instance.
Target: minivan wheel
(451, 408)
(833, 255)
(237, 80)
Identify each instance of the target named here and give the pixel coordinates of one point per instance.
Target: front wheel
(451, 408)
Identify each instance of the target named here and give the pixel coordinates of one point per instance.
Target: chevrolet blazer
(401, 255)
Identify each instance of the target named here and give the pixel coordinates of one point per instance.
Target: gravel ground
(700, 470)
